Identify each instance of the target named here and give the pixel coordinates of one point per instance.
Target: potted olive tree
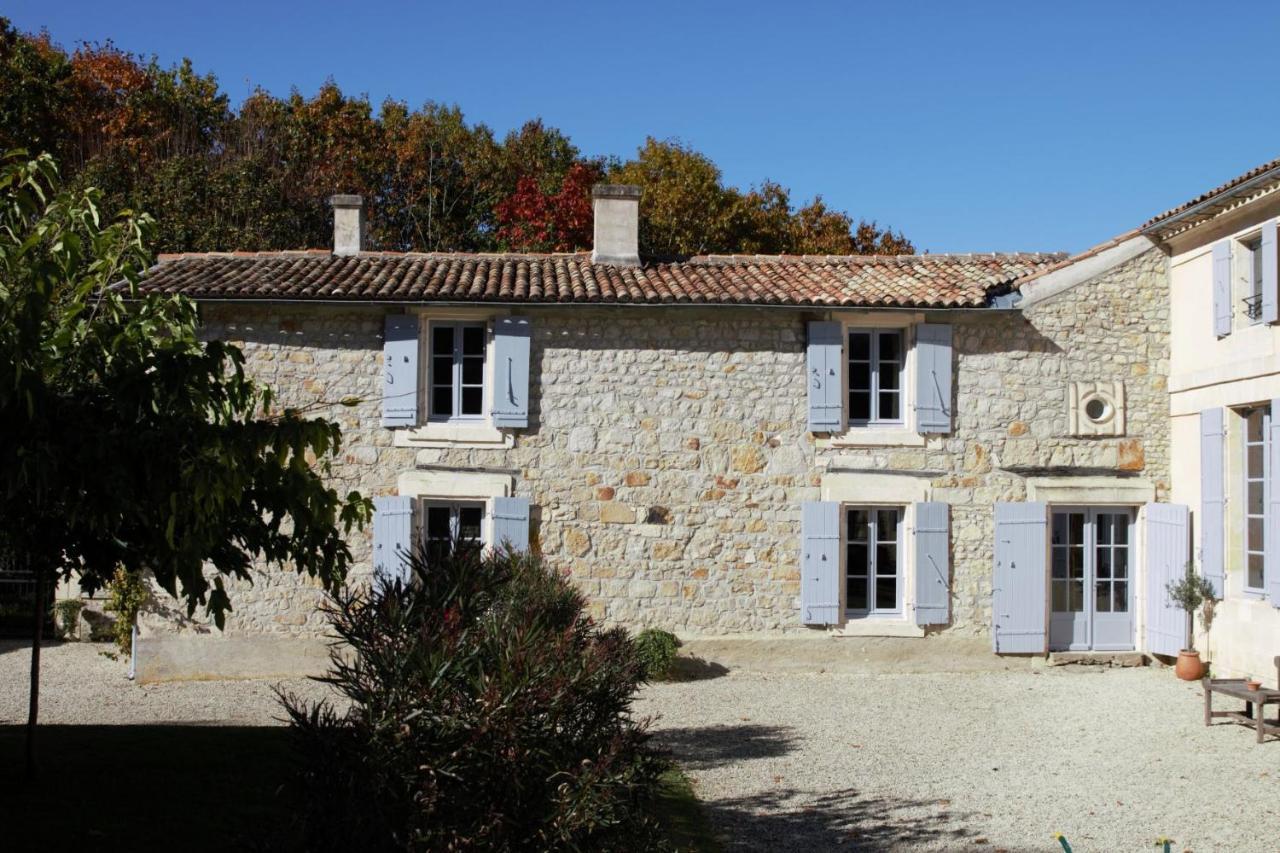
(1190, 593)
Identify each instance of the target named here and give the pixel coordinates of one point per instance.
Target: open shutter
(511, 523)
(392, 537)
(933, 378)
(1270, 278)
(820, 562)
(1271, 539)
(1018, 603)
(1212, 520)
(511, 374)
(400, 371)
(1222, 288)
(1167, 547)
(825, 376)
(933, 566)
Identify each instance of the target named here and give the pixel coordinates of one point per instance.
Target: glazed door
(1090, 589)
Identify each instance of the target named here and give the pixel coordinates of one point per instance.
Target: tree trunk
(1191, 631)
(33, 708)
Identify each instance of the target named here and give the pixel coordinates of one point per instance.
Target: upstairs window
(1249, 258)
(877, 358)
(1257, 423)
(457, 371)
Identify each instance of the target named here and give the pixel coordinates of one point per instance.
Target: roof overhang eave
(1162, 228)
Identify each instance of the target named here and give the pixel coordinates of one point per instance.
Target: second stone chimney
(617, 224)
(348, 224)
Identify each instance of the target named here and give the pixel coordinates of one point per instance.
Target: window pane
(442, 340)
(1104, 529)
(1102, 596)
(886, 593)
(888, 406)
(1255, 571)
(1059, 528)
(1255, 534)
(856, 593)
(473, 340)
(1120, 563)
(1254, 454)
(860, 377)
(1075, 602)
(442, 370)
(470, 519)
(886, 560)
(472, 401)
(1120, 597)
(860, 406)
(1075, 562)
(1253, 426)
(856, 559)
(1120, 530)
(1060, 563)
(858, 519)
(1060, 597)
(1104, 563)
(860, 346)
(890, 347)
(438, 522)
(1076, 528)
(442, 402)
(472, 371)
(887, 525)
(1254, 502)
(888, 377)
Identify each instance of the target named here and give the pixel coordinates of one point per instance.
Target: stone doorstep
(1097, 658)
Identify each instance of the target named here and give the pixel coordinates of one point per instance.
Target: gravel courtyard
(1112, 758)
(873, 757)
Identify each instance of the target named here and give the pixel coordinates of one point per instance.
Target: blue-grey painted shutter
(1018, 603)
(933, 566)
(933, 378)
(392, 537)
(826, 377)
(511, 523)
(1222, 288)
(1212, 520)
(400, 371)
(820, 562)
(511, 374)
(1168, 546)
(1270, 278)
(1271, 538)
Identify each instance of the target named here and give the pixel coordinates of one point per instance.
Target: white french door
(1091, 579)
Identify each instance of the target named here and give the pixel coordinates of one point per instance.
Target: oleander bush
(657, 650)
(487, 712)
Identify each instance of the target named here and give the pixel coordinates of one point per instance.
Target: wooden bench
(1255, 702)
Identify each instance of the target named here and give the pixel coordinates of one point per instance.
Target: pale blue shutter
(826, 377)
(511, 523)
(400, 371)
(1018, 602)
(511, 374)
(1168, 546)
(933, 378)
(1271, 538)
(1212, 521)
(392, 537)
(1222, 288)
(1270, 279)
(933, 566)
(820, 562)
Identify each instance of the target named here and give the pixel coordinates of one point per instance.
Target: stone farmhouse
(760, 446)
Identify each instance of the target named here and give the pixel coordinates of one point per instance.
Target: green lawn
(190, 788)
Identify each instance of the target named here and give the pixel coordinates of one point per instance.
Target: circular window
(1097, 410)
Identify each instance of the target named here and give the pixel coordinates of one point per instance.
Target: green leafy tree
(127, 440)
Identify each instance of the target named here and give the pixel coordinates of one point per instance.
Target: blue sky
(970, 126)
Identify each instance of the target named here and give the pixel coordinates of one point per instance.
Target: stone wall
(667, 453)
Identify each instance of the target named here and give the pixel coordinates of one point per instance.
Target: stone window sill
(441, 435)
(871, 626)
(877, 437)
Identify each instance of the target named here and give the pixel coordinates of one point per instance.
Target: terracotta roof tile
(1230, 188)
(918, 281)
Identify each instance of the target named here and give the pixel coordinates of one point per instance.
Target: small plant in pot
(1190, 593)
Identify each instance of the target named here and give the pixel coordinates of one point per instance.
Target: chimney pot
(348, 224)
(617, 224)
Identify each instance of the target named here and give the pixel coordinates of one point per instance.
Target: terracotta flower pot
(1253, 684)
(1189, 666)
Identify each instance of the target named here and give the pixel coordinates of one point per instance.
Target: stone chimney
(617, 224)
(348, 224)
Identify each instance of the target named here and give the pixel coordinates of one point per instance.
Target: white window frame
(454, 507)
(875, 538)
(1248, 547)
(874, 420)
(1246, 273)
(902, 433)
(454, 382)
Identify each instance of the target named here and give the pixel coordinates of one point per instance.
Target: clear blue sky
(970, 126)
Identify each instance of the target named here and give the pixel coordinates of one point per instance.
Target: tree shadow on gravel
(841, 820)
(705, 747)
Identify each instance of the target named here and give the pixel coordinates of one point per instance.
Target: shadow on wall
(787, 819)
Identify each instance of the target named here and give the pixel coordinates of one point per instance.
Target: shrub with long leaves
(486, 712)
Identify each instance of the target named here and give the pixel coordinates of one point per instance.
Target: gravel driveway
(1112, 758)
